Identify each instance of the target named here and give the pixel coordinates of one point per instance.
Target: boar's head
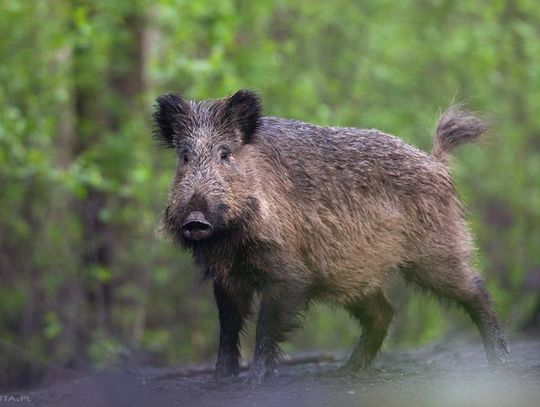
(212, 188)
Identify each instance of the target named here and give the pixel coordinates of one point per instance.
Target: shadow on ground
(455, 375)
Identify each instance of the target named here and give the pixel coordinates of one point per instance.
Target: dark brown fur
(301, 213)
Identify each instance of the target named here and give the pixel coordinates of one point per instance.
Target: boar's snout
(196, 226)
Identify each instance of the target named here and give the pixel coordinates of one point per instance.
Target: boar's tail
(455, 126)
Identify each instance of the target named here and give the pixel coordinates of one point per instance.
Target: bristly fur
(456, 126)
(302, 213)
(174, 117)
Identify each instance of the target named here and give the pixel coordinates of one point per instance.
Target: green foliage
(86, 278)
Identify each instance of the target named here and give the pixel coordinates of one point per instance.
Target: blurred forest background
(85, 278)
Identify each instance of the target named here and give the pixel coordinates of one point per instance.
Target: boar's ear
(171, 118)
(243, 112)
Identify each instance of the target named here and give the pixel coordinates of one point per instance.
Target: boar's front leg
(233, 308)
(280, 309)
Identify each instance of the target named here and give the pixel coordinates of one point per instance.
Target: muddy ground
(449, 375)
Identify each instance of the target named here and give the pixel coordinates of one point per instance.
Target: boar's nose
(196, 227)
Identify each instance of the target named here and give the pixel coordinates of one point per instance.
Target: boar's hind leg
(281, 306)
(478, 305)
(233, 308)
(374, 314)
(461, 284)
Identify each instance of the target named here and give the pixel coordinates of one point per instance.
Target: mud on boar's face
(210, 193)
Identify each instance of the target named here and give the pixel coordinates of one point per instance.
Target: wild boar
(299, 213)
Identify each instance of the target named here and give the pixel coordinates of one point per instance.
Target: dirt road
(453, 375)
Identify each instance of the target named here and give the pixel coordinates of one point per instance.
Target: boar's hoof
(257, 374)
(225, 371)
(497, 357)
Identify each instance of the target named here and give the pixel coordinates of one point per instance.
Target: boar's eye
(185, 157)
(224, 154)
